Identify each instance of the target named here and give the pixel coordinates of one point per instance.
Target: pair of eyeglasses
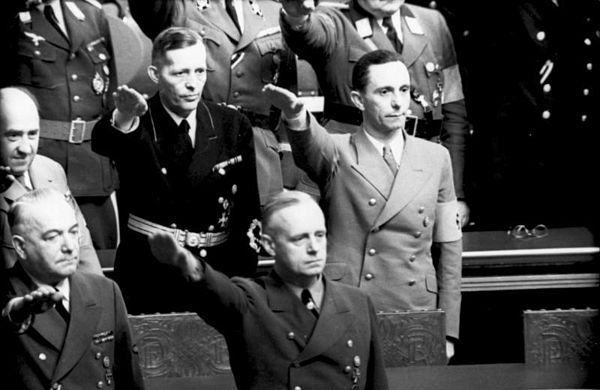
(521, 232)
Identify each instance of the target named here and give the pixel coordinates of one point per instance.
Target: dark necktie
(309, 303)
(60, 308)
(388, 156)
(51, 16)
(232, 13)
(392, 35)
(183, 147)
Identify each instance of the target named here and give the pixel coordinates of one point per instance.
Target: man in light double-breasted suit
(387, 196)
(60, 328)
(22, 169)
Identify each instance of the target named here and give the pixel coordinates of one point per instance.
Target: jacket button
(418, 234)
(37, 52)
(100, 385)
(236, 94)
(411, 282)
(102, 56)
(76, 98)
(98, 355)
(421, 210)
(42, 356)
(372, 202)
(239, 73)
(297, 388)
(291, 335)
(74, 77)
(347, 369)
(546, 114)
(412, 258)
(350, 343)
(369, 276)
(547, 88)
(372, 251)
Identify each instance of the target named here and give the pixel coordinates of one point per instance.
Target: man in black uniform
(187, 167)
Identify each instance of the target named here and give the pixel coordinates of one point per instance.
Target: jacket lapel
(370, 164)
(334, 319)
(410, 179)
(216, 14)
(253, 23)
(85, 314)
(48, 325)
(288, 308)
(41, 26)
(414, 44)
(76, 25)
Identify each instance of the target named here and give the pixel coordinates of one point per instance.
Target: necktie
(388, 156)
(232, 13)
(392, 35)
(183, 147)
(309, 303)
(51, 16)
(60, 308)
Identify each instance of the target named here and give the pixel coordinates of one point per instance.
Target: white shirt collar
(191, 119)
(396, 144)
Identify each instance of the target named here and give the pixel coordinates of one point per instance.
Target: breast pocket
(98, 52)
(37, 64)
(270, 49)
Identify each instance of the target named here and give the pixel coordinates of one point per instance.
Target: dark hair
(279, 202)
(171, 39)
(360, 73)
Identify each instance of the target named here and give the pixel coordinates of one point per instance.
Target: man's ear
(153, 73)
(268, 243)
(357, 99)
(19, 245)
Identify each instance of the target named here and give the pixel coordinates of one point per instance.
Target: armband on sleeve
(447, 222)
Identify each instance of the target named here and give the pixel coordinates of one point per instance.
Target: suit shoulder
(95, 282)
(423, 13)
(91, 3)
(43, 163)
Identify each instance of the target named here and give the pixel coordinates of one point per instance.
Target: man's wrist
(20, 324)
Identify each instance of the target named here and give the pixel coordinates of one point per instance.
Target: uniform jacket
(69, 78)
(381, 230)
(275, 342)
(331, 42)
(239, 64)
(94, 351)
(216, 194)
(45, 173)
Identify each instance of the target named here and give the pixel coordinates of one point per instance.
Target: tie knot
(184, 126)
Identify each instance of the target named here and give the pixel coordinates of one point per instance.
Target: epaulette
(94, 3)
(335, 4)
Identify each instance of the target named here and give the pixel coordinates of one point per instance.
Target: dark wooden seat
(413, 338)
(179, 345)
(559, 337)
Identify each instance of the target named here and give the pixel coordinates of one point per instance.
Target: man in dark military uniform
(186, 167)
(294, 328)
(245, 51)
(60, 328)
(61, 52)
(333, 38)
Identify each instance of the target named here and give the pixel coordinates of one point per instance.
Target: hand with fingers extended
(129, 103)
(298, 8)
(38, 301)
(167, 251)
(284, 100)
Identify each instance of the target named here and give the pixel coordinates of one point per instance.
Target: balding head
(19, 129)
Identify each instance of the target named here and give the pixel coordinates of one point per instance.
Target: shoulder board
(268, 31)
(334, 4)
(94, 3)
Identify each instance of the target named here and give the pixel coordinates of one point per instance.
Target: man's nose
(70, 242)
(25, 146)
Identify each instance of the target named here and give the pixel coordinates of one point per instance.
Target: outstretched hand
(166, 250)
(38, 301)
(283, 99)
(129, 102)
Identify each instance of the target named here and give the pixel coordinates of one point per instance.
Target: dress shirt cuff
(296, 23)
(299, 122)
(126, 127)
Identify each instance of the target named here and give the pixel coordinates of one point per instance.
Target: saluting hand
(283, 99)
(298, 8)
(129, 102)
(36, 302)
(166, 250)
